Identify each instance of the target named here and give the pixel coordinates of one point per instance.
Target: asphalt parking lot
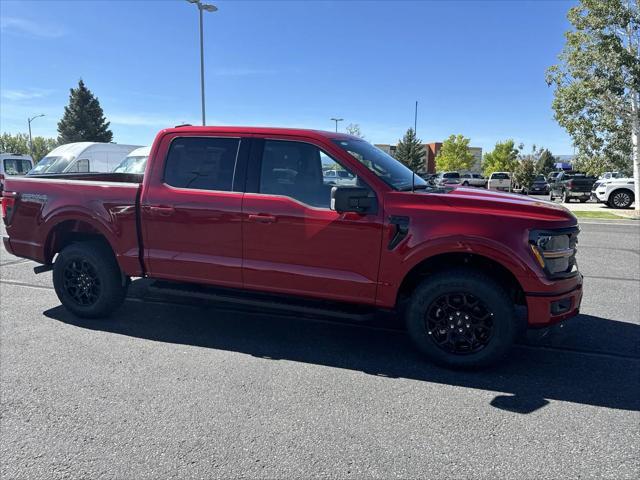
(168, 390)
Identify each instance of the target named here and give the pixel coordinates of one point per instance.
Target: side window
(82, 166)
(301, 171)
(201, 163)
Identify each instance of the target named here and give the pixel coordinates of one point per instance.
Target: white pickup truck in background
(499, 181)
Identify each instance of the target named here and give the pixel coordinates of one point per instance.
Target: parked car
(338, 177)
(135, 162)
(473, 180)
(539, 186)
(447, 178)
(12, 164)
(499, 181)
(618, 193)
(552, 177)
(570, 185)
(82, 157)
(214, 207)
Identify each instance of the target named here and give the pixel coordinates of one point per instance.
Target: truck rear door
(191, 209)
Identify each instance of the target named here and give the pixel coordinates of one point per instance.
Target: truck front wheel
(87, 279)
(461, 319)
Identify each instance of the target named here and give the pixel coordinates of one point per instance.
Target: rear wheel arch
(66, 232)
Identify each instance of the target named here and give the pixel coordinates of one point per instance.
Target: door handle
(262, 218)
(161, 210)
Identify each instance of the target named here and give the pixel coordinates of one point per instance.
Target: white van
(82, 157)
(12, 164)
(135, 162)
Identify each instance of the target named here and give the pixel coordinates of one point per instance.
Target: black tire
(493, 340)
(621, 198)
(583, 200)
(88, 281)
(465, 184)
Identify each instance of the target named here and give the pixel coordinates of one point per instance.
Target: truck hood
(507, 204)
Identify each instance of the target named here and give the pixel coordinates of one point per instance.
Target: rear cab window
(16, 166)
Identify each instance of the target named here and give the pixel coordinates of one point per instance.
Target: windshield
(384, 166)
(540, 178)
(16, 166)
(132, 165)
(44, 165)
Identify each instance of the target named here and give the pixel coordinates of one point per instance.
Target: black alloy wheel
(459, 323)
(81, 282)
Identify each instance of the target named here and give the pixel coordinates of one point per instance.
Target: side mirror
(353, 199)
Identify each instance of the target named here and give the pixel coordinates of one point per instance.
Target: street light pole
(209, 8)
(337, 120)
(29, 120)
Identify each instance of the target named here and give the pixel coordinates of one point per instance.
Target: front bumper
(548, 309)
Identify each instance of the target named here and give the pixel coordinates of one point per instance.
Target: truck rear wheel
(461, 319)
(87, 279)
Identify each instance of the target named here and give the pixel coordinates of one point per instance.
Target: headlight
(555, 251)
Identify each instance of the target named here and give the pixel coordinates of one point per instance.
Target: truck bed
(84, 204)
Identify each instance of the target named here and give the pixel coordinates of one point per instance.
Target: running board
(161, 289)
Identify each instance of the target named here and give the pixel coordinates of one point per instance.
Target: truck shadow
(541, 370)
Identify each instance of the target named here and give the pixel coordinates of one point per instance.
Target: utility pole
(29, 120)
(337, 120)
(208, 8)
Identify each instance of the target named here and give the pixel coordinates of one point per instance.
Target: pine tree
(83, 119)
(410, 151)
(546, 162)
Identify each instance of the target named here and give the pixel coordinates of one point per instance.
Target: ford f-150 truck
(248, 209)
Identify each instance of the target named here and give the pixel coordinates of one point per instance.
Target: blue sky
(476, 67)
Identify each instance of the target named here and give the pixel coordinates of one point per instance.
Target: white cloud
(27, 27)
(28, 94)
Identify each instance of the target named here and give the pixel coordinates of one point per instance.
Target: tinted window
(16, 166)
(203, 163)
(301, 171)
(451, 175)
(500, 176)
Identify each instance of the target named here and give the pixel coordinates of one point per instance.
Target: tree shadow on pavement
(526, 381)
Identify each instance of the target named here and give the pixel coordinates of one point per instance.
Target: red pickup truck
(254, 209)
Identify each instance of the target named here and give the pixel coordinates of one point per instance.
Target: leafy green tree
(454, 155)
(546, 162)
(503, 158)
(597, 83)
(410, 151)
(83, 119)
(354, 129)
(19, 143)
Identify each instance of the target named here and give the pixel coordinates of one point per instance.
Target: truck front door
(191, 210)
(293, 242)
